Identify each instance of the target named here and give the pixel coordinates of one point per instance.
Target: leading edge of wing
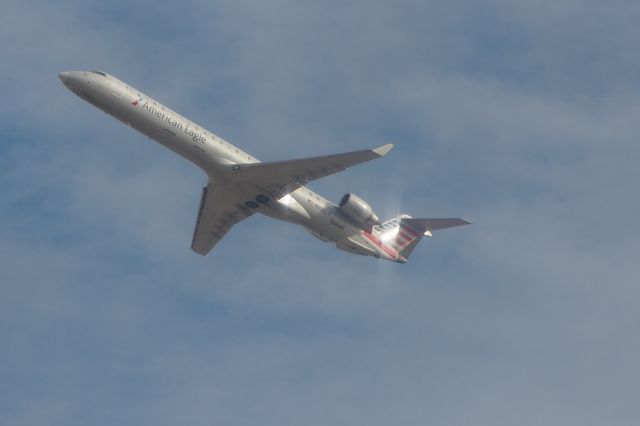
(346, 159)
(282, 177)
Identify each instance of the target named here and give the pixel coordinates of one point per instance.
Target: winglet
(382, 150)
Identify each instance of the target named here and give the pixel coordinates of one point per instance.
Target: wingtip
(382, 150)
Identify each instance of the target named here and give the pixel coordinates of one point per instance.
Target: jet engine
(358, 211)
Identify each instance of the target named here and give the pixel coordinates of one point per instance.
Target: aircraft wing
(282, 177)
(218, 212)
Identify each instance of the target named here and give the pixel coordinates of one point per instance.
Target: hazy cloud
(518, 115)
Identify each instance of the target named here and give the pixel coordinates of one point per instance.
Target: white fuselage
(209, 152)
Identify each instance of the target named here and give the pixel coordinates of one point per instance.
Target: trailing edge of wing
(279, 178)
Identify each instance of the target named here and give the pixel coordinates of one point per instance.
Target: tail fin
(399, 235)
(403, 232)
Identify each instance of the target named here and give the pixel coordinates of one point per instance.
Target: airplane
(239, 185)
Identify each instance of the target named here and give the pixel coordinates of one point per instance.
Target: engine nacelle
(356, 209)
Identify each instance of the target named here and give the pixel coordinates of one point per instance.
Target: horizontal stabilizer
(403, 233)
(435, 224)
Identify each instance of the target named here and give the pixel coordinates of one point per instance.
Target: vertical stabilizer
(399, 235)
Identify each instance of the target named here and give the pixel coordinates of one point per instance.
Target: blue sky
(520, 115)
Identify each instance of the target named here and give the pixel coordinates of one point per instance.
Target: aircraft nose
(71, 79)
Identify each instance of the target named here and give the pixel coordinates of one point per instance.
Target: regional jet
(239, 185)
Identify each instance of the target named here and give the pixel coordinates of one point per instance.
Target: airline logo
(393, 236)
(138, 101)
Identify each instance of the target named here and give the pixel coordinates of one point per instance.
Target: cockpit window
(99, 73)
